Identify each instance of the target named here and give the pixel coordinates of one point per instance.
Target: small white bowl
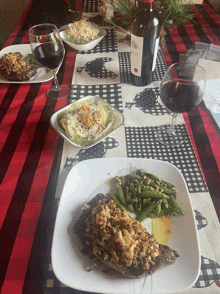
(84, 47)
(117, 121)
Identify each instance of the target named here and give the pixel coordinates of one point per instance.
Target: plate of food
(112, 251)
(82, 35)
(87, 121)
(18, 66)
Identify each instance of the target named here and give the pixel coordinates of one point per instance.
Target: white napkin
(212, 88)
(201, 50)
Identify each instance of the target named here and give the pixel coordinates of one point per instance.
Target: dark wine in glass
(181, 96)
(181, 90)
(49, 55)
(48, 49)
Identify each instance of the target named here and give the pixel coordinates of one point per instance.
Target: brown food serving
(14, 67)
(119, 243)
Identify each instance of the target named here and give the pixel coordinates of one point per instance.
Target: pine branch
(175, 13)
(170, 12)
(124, 8)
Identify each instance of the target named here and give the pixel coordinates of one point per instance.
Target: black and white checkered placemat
(141, 142)
(124, 61)
(110, 93)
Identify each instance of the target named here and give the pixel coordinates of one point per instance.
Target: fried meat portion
(118, 241)
(14, 67)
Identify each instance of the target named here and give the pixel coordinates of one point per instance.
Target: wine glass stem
(171, 129)
(57, 86)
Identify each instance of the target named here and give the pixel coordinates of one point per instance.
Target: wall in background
(10, 12)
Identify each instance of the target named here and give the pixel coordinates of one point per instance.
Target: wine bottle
(145, 31)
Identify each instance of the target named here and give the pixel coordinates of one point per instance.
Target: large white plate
(42, 74)
(119, 119)
(83, 182)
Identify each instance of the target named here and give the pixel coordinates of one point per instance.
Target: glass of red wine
(181, 89)
(48, 49)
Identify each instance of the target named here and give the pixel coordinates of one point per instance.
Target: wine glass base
(53, 93)
(175, 138)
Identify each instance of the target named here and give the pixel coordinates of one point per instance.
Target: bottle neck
(147, 5)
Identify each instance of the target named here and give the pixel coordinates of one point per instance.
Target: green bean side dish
(146, 195)
(33, 61)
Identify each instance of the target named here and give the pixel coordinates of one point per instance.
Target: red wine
(49, 54)
(145, 31)
(181, 97)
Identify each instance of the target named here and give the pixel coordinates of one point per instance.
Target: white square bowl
(118, 116)
(84, 47)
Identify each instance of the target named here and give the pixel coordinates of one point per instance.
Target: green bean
(174, 204)
(165, 203)
(145, 202)
(166, 211)
(132, 201)
(138, 206)
(156, 210)
(158, 207)
(132, 190)
(129, 201)
(120, 193)
(138, 188)
(149, 182)
(161, 181)
(135, 177)
(135, 208)
(146, 212)
(32, 60)
(170, 208)
(115, 199)
(168, 185)
(127, 196)
(130, 208)
(152, 194)
(147, 195)
(167, 191)
(121, 180)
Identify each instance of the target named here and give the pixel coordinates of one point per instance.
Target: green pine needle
(171, 12)
(124, 8)
(175, 13)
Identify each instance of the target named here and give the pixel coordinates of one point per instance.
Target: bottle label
(136, 54)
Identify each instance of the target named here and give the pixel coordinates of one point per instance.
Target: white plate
(109, 130)
(83, 182)
(41, 76)
(85, 47)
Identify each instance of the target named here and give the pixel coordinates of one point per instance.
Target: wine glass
(48, 49)
(181, 89)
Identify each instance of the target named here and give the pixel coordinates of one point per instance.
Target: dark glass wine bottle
(145, 31)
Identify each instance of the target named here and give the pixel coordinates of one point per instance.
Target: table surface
(32, 152)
